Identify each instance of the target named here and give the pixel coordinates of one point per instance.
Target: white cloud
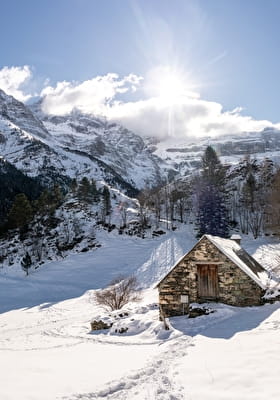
(187, 117)
(170, 108)
(181, 114)
(91, 96)
(13, 78)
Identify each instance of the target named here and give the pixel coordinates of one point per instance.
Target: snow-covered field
(47, 351)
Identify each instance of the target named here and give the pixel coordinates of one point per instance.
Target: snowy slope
(77, 273)
(237, 358)
(47, 351)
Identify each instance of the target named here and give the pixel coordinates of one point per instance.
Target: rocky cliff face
(117, 147)
(21, 116)
(185, 155)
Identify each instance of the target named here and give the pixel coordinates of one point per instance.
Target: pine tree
(84, 190)
(93, 190)
(43, 204)
(249, 193)
(211, 197)
(26, 262)
(106, 200)
(21, 212)
(57, 196)
(254, 196)
(212, 169)
(74, 185)
(272, 223)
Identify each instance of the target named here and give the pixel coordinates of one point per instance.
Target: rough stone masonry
(235, 287)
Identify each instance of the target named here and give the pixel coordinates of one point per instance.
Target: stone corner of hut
(206, 265)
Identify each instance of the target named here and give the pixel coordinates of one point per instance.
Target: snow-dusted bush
(120, 291)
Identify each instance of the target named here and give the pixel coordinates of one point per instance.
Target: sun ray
(168, 84)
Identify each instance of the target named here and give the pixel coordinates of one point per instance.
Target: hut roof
(241, 258)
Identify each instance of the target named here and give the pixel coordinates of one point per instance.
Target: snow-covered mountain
(185, 155)
(57, 154)
(21, 116)
(76, 145)
(114, 145)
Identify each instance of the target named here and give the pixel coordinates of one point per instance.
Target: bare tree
(144, 205)
(65, 233)
(77, 227)
(166, 203)
(120, 291)
(256, 222)
(272, 222)
(37, 248)
(123, 213)
(155, 200)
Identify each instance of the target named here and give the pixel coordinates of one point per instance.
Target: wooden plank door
(207, 281)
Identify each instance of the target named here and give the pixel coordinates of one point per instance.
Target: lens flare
(168, 84)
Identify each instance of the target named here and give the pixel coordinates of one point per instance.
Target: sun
(168, 84)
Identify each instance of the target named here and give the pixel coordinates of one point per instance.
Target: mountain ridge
(78, 144)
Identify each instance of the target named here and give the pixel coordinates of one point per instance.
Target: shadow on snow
(225, 322)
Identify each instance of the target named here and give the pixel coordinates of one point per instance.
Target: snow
(47, 351)
(78, 145)
(46, 348)
(186, 153)
(43, 362)
(230, 248)
(123, 150)
(235, 359)
(267, 253)
(235, 237)
(72, 276)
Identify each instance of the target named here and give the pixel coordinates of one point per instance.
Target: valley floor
(47, 351)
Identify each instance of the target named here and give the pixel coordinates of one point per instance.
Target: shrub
(120, 291)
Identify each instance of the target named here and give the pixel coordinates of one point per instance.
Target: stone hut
(216, 269)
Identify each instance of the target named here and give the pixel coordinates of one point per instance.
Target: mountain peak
(20, 115)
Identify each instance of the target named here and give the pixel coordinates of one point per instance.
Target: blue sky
(229, 50)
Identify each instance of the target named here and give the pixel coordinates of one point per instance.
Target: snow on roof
(241, 258)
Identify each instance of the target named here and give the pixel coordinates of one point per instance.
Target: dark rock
(197, 312)
(99, 325)
(123, 330)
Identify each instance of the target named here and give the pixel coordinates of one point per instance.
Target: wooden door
(207, 281)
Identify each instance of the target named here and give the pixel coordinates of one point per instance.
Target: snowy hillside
(46, 346)
(70, 228)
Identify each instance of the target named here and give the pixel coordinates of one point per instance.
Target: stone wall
(234, 286)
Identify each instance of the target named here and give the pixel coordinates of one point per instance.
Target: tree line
(216, 199)
(219, 198)
(25, 208)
